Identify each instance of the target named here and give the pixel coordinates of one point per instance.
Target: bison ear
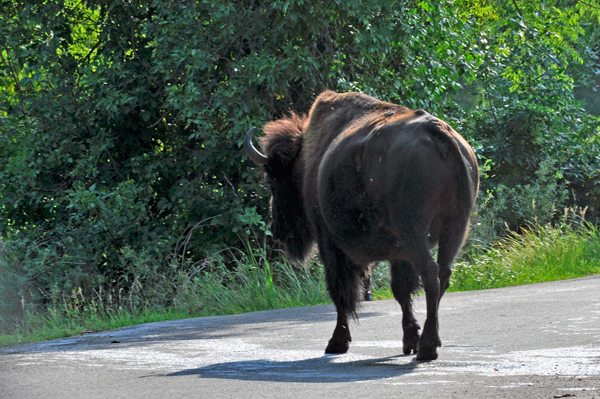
(284, 150)
(283, 140)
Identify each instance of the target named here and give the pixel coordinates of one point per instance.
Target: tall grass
(252, 283)
(251, 286)
(536, 255)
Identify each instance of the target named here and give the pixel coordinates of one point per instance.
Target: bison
(368, 181)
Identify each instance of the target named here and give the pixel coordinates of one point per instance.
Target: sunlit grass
(59, 321)
(537, 255)
(251, 287)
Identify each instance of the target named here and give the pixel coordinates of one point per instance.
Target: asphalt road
(536, 341)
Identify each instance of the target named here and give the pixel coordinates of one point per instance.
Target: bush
(506, 209)
(123, 122)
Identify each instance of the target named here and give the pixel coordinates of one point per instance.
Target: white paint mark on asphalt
(231, 358)
(426, 382)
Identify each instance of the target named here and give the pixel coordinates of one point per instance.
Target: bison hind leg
(430, 339)
(404, 283)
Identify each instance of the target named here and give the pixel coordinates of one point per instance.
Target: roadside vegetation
(538, 254)
(126, 197)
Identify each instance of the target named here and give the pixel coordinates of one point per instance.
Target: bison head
(283, 167)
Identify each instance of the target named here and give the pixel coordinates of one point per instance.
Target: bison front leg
(340, 341)
(367, 284)
(344, 286)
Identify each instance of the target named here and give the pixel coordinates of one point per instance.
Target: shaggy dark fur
(284, 169)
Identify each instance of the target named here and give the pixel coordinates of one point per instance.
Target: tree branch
(12, 70)
(159, 120)
(518, 9)
(589, 5)
(85, 59)
(487, 92)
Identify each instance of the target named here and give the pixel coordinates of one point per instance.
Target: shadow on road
(326, 369)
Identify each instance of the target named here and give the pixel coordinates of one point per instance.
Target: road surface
(535, 341)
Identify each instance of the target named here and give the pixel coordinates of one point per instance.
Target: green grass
(250, 288)
(55, 323)
(537, 255)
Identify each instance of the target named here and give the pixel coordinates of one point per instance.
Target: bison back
(385, 184)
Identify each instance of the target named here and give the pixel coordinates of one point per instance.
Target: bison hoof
(411, 339)
(427, 353)
(337, 346)
(408, 349)
(411, 344)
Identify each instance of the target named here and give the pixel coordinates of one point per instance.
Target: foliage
(121, 125)
(524, 109)
(505, 209)
(123, 122)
